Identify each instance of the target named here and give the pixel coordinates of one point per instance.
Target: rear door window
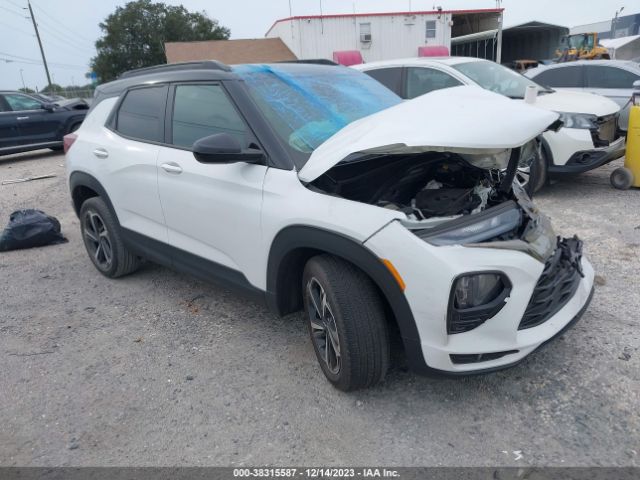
(566, 77)
(390, 78)
(424, 80)
(141, 114)
(609, 77)
(203, 110)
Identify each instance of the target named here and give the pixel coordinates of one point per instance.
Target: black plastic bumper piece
(584, 161)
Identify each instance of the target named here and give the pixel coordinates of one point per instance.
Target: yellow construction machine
(580, 46)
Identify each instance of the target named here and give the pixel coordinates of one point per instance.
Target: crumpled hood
(577, 102)
(70, 103)
(464, 119)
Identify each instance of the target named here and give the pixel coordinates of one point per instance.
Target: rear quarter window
(141, 114)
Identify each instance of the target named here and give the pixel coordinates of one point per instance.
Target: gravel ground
(160, 369)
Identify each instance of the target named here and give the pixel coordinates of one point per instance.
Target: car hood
(464, 119)
(71, 102)
(577, 102)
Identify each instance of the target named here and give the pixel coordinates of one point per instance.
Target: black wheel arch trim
(82, 179)
(295, 244)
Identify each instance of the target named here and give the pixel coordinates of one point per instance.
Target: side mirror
(224, 148)
(636, 85)
(49, 107)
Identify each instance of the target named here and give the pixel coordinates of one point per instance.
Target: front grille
(557, 284)
(607, 130)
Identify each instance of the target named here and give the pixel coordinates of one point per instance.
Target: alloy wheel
(324, 331)
(98, 240)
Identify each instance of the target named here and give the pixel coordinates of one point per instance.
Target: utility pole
(499, 47)
(44, 60)
(24, 87)
(615, 22)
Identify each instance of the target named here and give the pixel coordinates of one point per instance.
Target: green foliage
(26, 90)
(53, 88)
(134, 35)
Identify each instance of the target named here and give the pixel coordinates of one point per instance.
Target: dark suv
(28, 123)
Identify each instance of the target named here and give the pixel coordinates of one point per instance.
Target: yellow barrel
(632, 158)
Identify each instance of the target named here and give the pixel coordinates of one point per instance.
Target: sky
(69, 28)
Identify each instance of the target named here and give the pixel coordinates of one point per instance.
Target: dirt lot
(161, 369)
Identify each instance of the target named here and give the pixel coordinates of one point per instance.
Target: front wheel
(347, 323)
(535, 176)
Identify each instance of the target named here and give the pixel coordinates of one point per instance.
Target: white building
(379, 36)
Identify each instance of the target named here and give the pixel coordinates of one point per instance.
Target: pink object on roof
(348, 57)
(435, 51)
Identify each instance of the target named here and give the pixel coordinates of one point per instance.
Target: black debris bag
(30, 228)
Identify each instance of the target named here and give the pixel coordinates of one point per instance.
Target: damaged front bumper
(551, 286)
(585, 160)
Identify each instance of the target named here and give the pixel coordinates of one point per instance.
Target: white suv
(314, 187)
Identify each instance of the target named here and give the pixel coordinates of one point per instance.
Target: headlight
(578, 120)
(475, 298)
(490, 161)
(475, 228)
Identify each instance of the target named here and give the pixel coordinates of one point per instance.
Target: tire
(353, 315)
(621, 178)
(102, 239)
(539, 174)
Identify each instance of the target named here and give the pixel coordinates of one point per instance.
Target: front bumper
(429, 272)
(585, 160)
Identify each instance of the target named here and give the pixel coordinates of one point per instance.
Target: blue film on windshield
(308, 105)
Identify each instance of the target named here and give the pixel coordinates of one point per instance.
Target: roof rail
(313, 61)
(170, 67)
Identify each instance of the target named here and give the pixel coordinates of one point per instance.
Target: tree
(134, 35)
(53, 88)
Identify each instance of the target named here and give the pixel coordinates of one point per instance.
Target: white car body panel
(212, 211)
(577, 102)
(461, 126)
(129, 173)
(563, 143)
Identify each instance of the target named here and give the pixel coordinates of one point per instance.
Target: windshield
(307, 104)
(497, 78)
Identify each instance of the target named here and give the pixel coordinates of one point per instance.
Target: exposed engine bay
(447, 200)
(422, 186)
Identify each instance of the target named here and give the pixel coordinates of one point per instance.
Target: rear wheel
(102, 239)
(347, 323)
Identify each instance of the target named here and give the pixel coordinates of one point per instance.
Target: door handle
(101, 153)
(171, 168)
(22, 118)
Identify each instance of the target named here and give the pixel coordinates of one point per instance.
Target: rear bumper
(586, 160)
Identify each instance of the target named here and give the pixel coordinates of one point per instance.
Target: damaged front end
(448, 198)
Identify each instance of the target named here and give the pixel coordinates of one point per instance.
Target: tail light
(68, 140)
